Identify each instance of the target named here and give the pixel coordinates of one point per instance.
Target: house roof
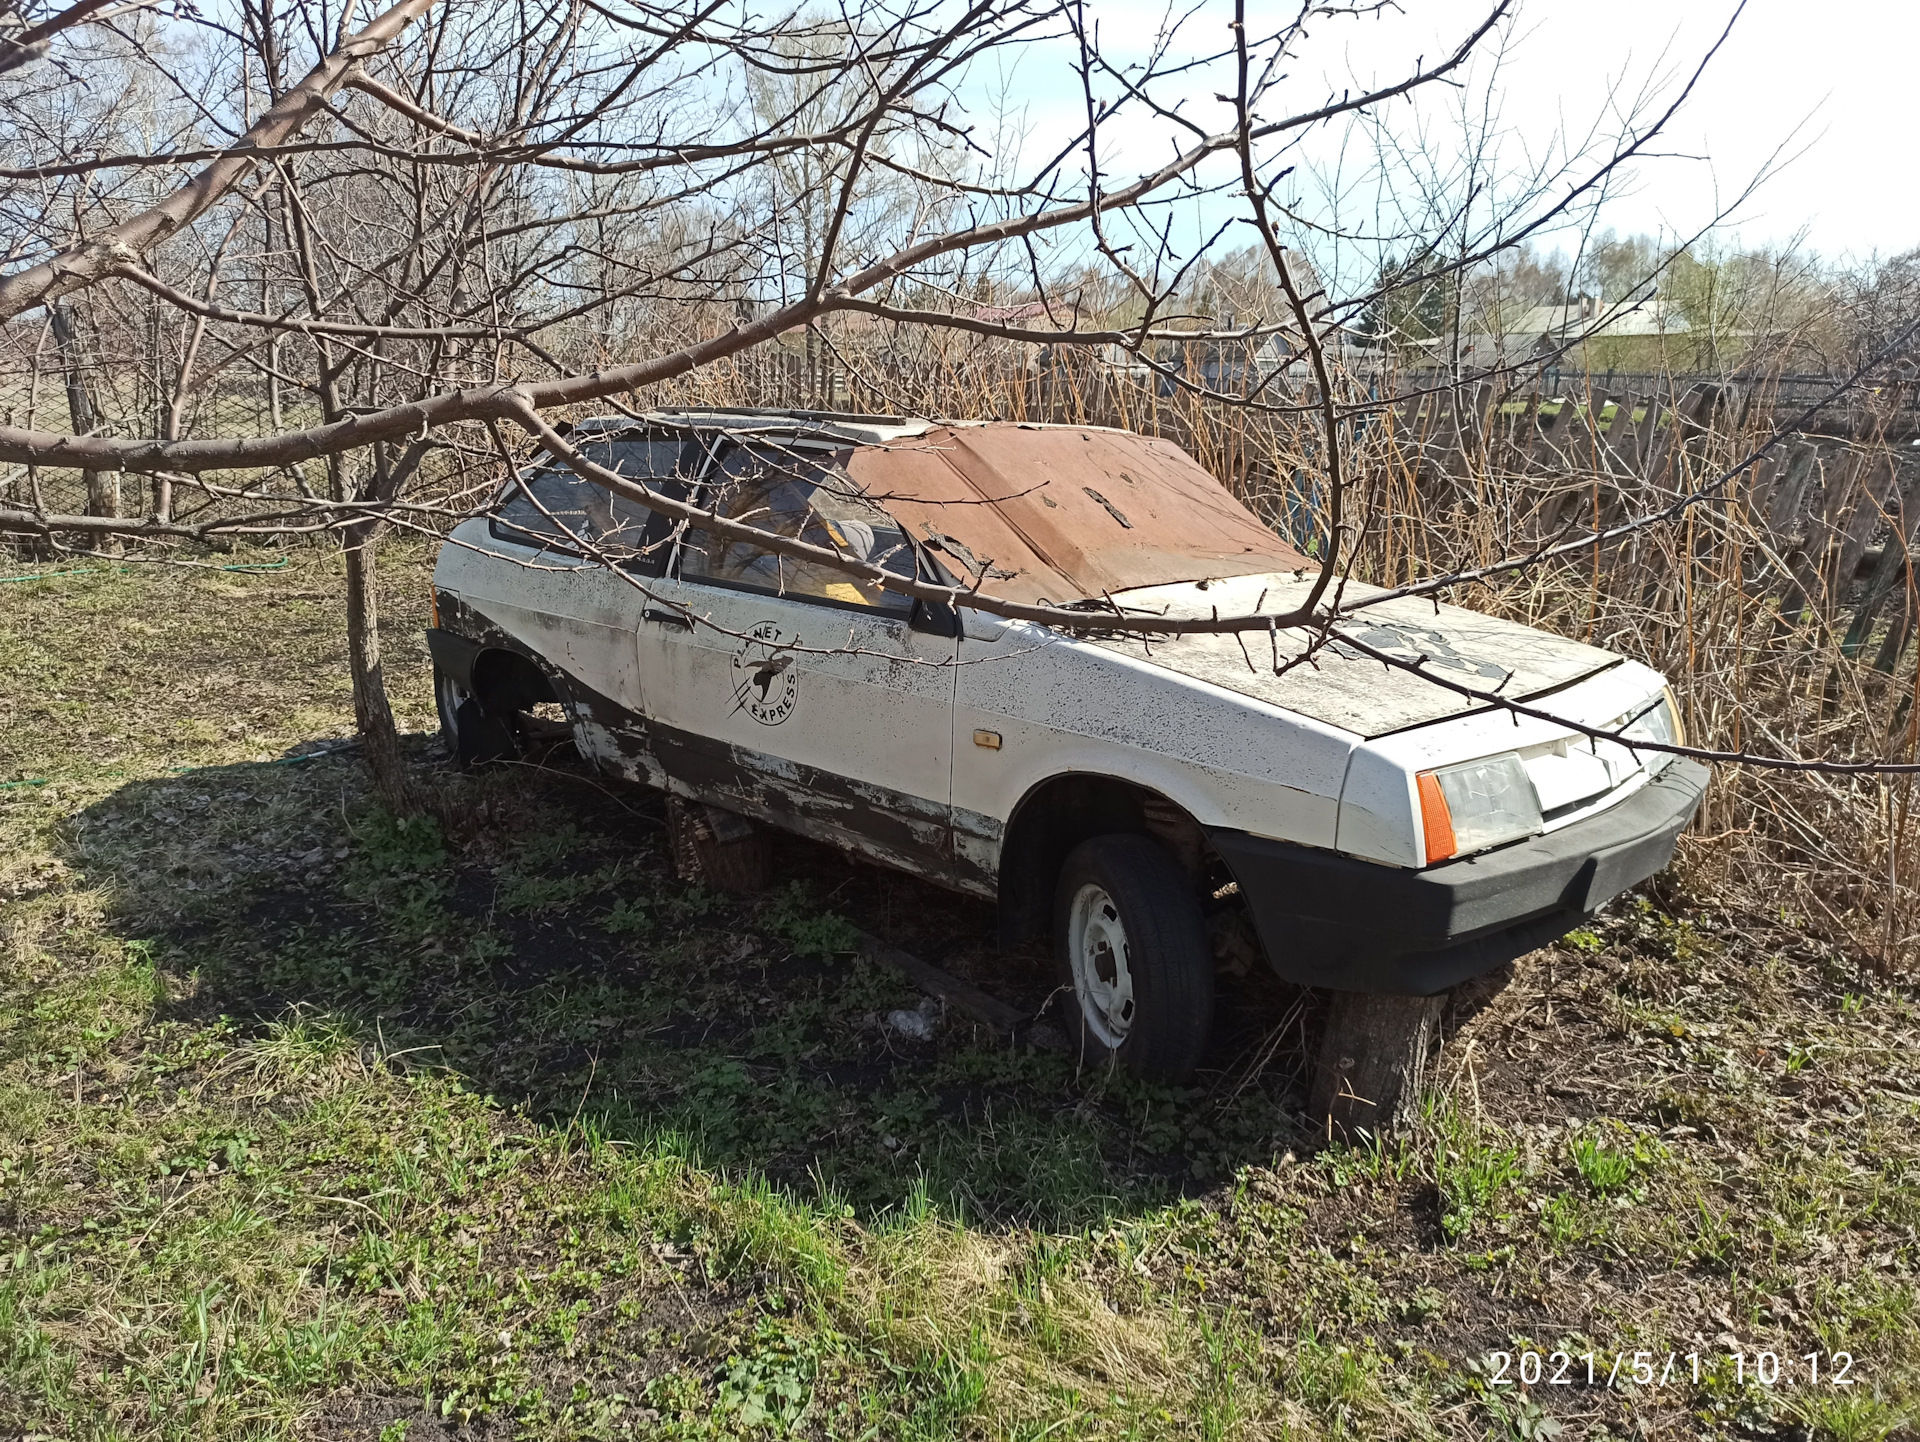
(1618, 318)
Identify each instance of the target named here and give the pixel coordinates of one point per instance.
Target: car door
(568, 595)
(793, 692)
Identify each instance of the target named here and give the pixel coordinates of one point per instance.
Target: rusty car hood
(1342, 686)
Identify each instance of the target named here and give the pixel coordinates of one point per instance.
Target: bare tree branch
(124, 243)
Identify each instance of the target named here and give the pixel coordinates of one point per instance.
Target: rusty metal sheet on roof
(1059, 513)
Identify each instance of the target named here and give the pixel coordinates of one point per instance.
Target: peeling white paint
(854, 728)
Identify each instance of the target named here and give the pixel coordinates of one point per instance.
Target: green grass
(318, 1124)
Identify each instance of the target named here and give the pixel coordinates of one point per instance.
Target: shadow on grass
(551, 960)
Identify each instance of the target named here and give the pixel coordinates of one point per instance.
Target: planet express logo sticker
(766, 684)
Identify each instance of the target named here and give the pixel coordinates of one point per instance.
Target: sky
(1822, 94)
(1827, 88)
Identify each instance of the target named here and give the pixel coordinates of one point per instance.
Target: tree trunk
(372, 714)
(1373, 1060)
(379, 737)
(103, 487)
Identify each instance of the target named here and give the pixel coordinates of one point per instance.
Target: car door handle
(669, 618)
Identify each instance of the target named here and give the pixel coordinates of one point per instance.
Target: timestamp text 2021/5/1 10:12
(1664, 1369)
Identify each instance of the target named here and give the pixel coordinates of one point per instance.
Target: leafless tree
(292, 263)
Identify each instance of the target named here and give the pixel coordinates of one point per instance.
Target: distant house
(1522, 334)
(1238, 366)
(1231, 367)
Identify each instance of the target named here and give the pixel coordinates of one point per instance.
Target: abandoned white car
(1379, 832)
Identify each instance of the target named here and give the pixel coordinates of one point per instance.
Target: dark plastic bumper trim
(1329, 920)
(454, 655)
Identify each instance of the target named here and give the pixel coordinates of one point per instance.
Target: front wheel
(1133, 954)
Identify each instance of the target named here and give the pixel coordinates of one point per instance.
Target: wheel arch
(505, 681)
(1056, 815)
(485, 661)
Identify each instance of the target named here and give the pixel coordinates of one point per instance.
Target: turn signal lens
(433, 601)
(1435, 819)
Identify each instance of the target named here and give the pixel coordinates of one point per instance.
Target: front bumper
(1332, 921)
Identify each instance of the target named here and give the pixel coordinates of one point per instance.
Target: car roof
(856, 427)
(843, 426)
(1028, 512)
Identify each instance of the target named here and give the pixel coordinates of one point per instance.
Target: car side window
(547, 506)
(642, 539)
(550, 504)
(808, 497)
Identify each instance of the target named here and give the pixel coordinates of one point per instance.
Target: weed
(943, 1392)
(771, 1385)
(1715, 1239)
(626, 918)
(1376, 1158)
(690, 903)
(825, 935)
(413, 911)
(1470, 1177)
(1226, 1355)
(789, 915)
(1520, 1419)
(389, 845)
(1724, 1395)
(1560, 1220)
(526, 893)
(1329, 1377)
(1600, 1166)
(484, 947)
(1423, 1306)
(545, 845)
(1850, 1417)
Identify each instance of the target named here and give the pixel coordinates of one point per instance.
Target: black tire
(1125, 891)
(472, 737)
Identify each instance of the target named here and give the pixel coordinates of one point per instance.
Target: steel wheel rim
(1097, 951)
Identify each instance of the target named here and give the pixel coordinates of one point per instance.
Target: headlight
(1659, 723)
(1479, 804)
